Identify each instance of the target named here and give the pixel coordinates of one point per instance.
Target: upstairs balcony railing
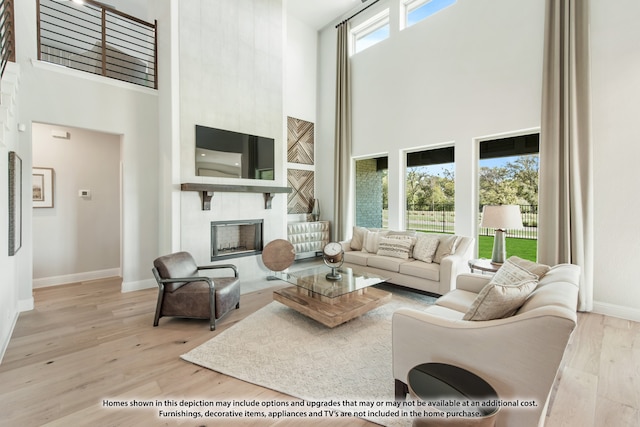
(7, 34)
(98, 39)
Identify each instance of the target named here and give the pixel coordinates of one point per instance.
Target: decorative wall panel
(299, 141)
(300, 200)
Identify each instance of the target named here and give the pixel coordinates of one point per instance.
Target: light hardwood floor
(88, 342)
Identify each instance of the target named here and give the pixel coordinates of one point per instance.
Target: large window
(509, 176)
(430, 190)
(370, 32)
(418, 10)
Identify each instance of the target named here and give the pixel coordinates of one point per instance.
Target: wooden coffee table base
(331, 312)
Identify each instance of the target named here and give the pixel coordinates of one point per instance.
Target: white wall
(78, 238)
(301, 62)
(469, 71)
(54, 95)
(474, 70)
(231, 77)
(615, 80)
(16, 268)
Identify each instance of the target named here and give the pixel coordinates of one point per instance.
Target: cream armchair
(519, 355)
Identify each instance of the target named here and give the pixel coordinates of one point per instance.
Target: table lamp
(500, 217)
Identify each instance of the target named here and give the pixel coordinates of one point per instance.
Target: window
(371, 193)
(370, 32)
(417, 10)
(430, 190)
(509, 176)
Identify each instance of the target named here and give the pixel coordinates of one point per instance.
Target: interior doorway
(76, 205)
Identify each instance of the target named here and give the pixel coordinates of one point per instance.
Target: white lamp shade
(501, 217)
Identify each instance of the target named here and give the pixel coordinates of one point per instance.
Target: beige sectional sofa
(519, 354)
(394, 255)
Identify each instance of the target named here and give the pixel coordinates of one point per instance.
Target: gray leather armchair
(184, 292)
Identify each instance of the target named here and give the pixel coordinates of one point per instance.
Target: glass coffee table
(331, 302)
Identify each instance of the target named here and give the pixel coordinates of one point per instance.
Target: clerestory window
(370, 32)
(418, 10)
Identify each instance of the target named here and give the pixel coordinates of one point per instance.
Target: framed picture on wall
(42, 187)
(15, 203)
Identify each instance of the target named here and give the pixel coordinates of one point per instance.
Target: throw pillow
(357, 238)
(447, 246)
(371, 240)
(425, 248)
(533, 267)
(395, 247)
(499, 301)
(511, 273)
(404, 236)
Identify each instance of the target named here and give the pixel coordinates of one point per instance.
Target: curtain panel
(566, 168)
(343, 199)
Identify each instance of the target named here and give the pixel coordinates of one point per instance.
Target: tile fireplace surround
(232, 239)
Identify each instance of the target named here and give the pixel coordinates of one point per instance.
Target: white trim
(76, 277)
(25, 305)
(5, 344)
(622, 312)
(139, 285)
(92, 77)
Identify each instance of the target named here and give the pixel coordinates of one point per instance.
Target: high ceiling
(318, 13)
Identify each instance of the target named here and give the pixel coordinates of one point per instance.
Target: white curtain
(566, 187)
(342, 155)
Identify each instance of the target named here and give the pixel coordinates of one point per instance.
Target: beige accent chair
(185, 292)
(519, 356)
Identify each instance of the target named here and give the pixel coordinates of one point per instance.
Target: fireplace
(232, 239)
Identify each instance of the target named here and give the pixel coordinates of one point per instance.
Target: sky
(437, 170)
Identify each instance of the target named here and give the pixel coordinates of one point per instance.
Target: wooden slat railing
(98, 39)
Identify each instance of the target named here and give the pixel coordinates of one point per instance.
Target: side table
(448, 385)
(483, 265)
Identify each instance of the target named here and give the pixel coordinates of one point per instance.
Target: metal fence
(440, 218)
(97, 39)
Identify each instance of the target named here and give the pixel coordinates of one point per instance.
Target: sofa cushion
(371, 241)
(425, 247)
(445, 312)
(533, 267)
(356, 257)
(385, 263)
(511, 273)
(421, 269)
(458, 300)
(357, 238)
(446, 247)
(395, 247)
(498, 301)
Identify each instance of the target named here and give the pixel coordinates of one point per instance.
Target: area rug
(283, 350)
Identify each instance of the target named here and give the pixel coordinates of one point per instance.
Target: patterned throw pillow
(533, 267)
(511, 273)
(499, 301)
(425, 247)
(395, 247)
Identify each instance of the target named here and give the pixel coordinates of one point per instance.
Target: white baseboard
(76, 277)
(627, 313)
(25, 305)
(5, 340)
(139, 285)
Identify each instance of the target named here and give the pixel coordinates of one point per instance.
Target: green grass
(524, 248)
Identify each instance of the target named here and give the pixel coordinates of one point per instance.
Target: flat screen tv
(228, 154)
